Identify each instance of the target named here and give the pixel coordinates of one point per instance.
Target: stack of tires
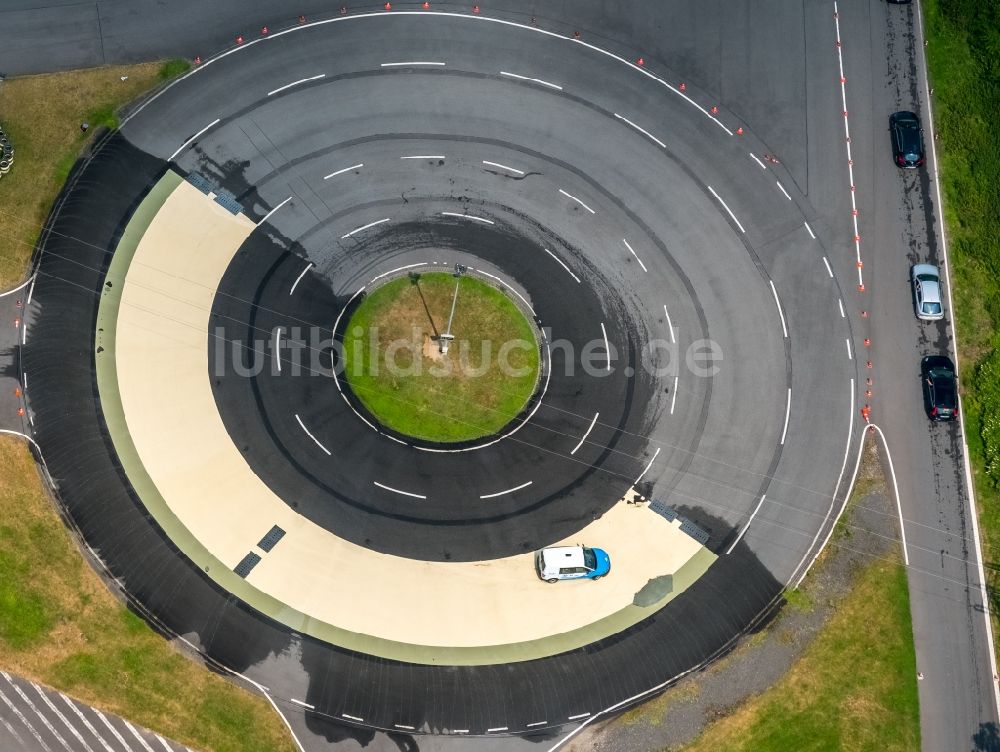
(6, 153)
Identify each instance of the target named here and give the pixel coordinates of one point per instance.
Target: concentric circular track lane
(629, 222)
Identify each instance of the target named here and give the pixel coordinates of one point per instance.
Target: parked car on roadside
(940, 387)
(926, 292)
(907, 139)
(571, 563)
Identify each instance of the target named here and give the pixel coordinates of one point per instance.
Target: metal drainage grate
(228, 201)
(663, 510)
(694, 531)
(202, 183)
(270, 540)
(249, 562)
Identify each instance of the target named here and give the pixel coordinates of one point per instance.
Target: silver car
(926, 292)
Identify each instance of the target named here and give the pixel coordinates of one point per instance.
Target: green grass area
(392, 361)
(963, 56)
(854, 688)
(173, 68)
(59, 624)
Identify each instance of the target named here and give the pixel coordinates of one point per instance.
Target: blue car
(572, 563)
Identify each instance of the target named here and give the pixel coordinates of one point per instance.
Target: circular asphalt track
(641, 228)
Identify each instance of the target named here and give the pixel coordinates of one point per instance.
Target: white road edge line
(781, 313)
(746, 526)
(396, 490)
(296, 83)
(586, 433)
(468, 216)
(560, 262)
(342, 171)
(754, 157)
(509, 490)
(533, 80)
(268, 215)
(299, 278)
(607, 346)
(673, 397)
(567, 195)
(356, 230)
(810, 230)
(973, 512)
(309, 434)
(646, 470)
(829, 271)
(782, 189)
(412, 62)
(728, 210)
(503, 167)
(193, 138)
(788, 412)
(644, 269)
(670, 325)
(895, 491)
(643, 131)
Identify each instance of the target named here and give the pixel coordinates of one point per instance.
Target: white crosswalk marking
(112, 729)
(20, 716)
(36, 711)
(12, 732)
(61, 717)
(163, 741)
(87, 723)
(135, 733)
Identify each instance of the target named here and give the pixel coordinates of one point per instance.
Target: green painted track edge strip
(225, 578)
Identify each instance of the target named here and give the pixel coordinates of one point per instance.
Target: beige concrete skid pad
(181, 441)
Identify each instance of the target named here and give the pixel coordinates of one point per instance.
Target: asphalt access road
(762, 80)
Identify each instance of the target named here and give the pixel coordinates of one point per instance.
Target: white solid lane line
(670, 325)
(414, 62)
(646, 470)
(342, 171)
(746, 526)
(268, 215)
(296, 83)
(829, 271)
(607, 347)
(586, 433)
(754, 157)
(299, 278)
(560, 262)
(396, 490)
(780, 312)
(673, 397)
(468, 216)
(532, 80)
(356, 230)
(811, 233)
(643, 131)
(309, 434)
(191, 140)
(788, 411)
(508, 491)
(635, 254)
(574, 198)
(425, 156)
(782, 188)
(504, 167)
(726, 207)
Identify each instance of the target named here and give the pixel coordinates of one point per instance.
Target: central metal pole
(447, 337)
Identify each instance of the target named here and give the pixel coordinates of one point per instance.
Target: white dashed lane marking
(586, 434)
(396, 490)
(532, 80)
(504, 167)
(296, 83)
(636, 255)
(508, 491)
(343, 170)
(560, 262)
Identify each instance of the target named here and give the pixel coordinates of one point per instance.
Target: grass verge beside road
(963, 48)
(854, 688)
(43, 114)
(59, 624)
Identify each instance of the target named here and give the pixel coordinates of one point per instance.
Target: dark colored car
(940, 387)
(907, 139)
